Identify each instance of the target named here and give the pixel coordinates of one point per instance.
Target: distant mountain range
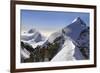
(69, 43)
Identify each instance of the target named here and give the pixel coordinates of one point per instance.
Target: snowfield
(66, 52)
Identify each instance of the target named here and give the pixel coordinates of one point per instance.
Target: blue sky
(49, 21)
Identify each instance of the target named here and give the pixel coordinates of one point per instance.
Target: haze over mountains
(68, 43)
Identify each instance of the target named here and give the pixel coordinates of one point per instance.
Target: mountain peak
(31, 30)
(73, 30)
(78, 20)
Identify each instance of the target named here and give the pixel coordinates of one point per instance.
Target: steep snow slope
(66, 52)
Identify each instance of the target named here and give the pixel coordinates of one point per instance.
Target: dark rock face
(83, 45)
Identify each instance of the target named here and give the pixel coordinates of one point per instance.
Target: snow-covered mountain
(75, 33)
(73, 30)
(62, 45)
(32, 36)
